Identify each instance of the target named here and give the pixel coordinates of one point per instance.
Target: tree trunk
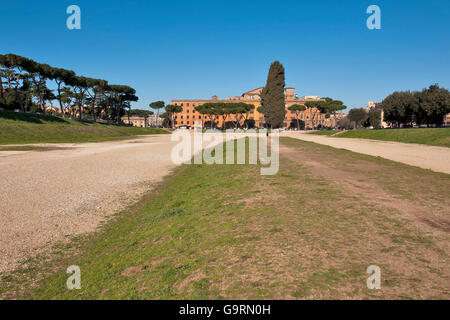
(59, 98)
(1, 87)
(93, 106)
(157, 117)
(41, 104)
(117, 114)
(79, 111)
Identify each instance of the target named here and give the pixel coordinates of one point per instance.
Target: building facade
(143, 122)
(311, 117)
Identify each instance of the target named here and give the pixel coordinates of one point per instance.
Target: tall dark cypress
(272, 96)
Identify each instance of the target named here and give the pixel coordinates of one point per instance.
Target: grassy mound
(23, 128)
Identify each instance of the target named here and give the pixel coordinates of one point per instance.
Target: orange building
(311, 117)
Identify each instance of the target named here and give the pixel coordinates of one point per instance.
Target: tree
(345, 123)
(126, 102)
(93, 88)
(272, 96)
(48, 95)
(141, 112)
(61, 76)
(13, 67)
(119, 97)
(211, 109)
(374, 118)
(297, 108)
(66, 98)
(432, 104)
(81, 86)
(223, 110)
(327, 105)
(171, 109)
(358, 116)
(241, 111)
(38, 73)
(24, 94)
(157, 105)
(22, 79)
(166, 120)
(399, 107)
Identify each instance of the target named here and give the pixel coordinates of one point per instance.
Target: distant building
(52, 110)
(310, 118)
(143, 122)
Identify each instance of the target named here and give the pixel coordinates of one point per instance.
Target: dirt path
(405, 221)
(47, 196)
(427, 157)
(356, 181)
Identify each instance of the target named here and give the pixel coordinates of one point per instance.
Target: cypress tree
(272, 96)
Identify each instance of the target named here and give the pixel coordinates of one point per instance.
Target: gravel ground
(47, 196)
(427, 157)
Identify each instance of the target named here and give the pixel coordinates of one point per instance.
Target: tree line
(214, 110)
(223, 110)
(24, 86)
(237, 114)
(360, 117)
(404, 108)
(427, 107)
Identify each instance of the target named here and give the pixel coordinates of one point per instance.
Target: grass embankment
(429, 136)
(324, 132)
(20, 128)
(225, 231)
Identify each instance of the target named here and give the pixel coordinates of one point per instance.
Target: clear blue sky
(193, 49)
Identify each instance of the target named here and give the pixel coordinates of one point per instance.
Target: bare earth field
(423, 156)
(70, 189)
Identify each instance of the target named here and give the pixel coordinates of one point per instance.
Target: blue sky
(194, 49)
